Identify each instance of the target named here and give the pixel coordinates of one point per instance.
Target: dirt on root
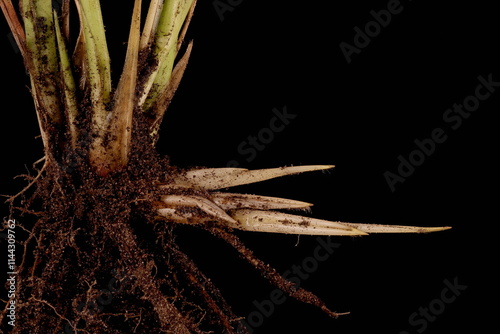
(98, 260)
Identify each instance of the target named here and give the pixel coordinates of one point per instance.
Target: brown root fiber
(98, 260)
(85, 253)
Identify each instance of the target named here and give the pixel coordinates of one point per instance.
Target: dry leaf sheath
(102, 178)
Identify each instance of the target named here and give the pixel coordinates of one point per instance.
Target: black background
(359, 116)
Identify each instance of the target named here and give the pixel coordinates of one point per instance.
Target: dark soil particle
(98, 261)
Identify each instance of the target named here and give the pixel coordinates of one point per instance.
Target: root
(11, 199)
(55, 311)
(271, 274)
(92, 226)
(209, 292)
(135, 263)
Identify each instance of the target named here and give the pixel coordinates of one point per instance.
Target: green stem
(69, 86)
(173, 16)
(44, 69)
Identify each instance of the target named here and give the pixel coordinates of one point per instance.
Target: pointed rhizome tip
(253, 212)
